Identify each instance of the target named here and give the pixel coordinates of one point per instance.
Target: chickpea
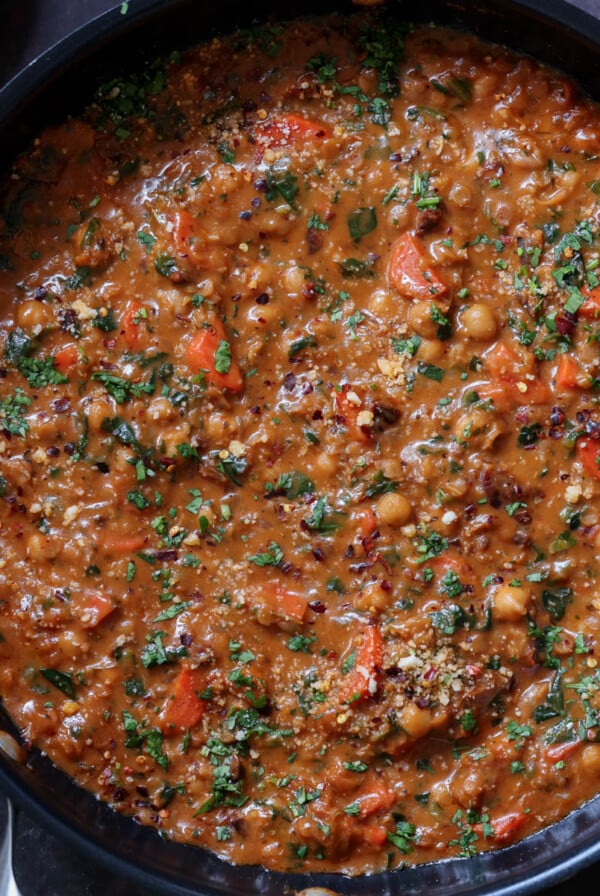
(293, 279)
(478, 321)
(485, 85)
(430, 350)
(471, 424)
(98, 410)
(326, 464)
(161, 409)
(372, 598)
(34, 314)
(417, 722)
(461, 195)
(43, 547)
(382, 304)
(393, 509)
(174, 437)
(420, 319)
(590, 760)
(218, 427)
(263, 315)
(392, 468)
(510, 603)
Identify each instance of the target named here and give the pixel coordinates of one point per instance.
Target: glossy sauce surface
(299, 514)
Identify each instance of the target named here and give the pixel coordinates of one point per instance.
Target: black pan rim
(14, 96)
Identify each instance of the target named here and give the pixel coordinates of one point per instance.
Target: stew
(300, 445)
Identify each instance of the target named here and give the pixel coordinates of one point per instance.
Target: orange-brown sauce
(299, 446)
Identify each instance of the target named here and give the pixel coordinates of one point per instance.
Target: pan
(60, 82)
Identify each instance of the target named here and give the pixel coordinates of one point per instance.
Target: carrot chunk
(558, 752)
(66, 358)
(567, 373)
(186, 708)
(123, 544)
(374, 834)
(588, 451)
(590, 310)
(375, 797)
(130, 324)
(409, 272)
(210, 352)
(361, 682)
(283, 602)
(186, 235)
(502, 362)
(366, 522)
(512, 384)
(349, 404)
(507, 826)
(290, 128)
(93, 608)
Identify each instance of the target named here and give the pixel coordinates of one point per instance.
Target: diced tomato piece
(283, 602)
(186, 708)
(93, 608)
(130, 324)
(558, 752)
(66, 358)
(349, 403)
(202, 355)
(410, 273)
(567, 372)
(588, 451)
(288, 127)
(361, 681)
(590, 310)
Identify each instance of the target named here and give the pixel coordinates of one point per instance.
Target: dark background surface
(44, 865)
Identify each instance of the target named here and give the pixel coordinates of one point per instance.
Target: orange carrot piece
(558, 752)
(374, 834)
(289, 127)
(451, 563)
(186, 708)
(590, 310)
(362, 681)
(567, 372)
(536, 392)
(501, 394)
(512, 383)
(93, 608)
(66, 358)
(202, 356)
(410, 273)
(375, 797)
(130, 324)
(588, 451)
(507, 826)
(123, 544)
(503, 362)
(366, 522)
(283, 602)
(348, 404)
(187, 240)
